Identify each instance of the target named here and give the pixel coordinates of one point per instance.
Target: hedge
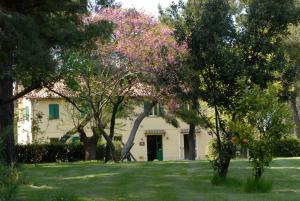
(48, 153)
(289, 147)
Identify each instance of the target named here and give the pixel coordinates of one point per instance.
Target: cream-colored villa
(155, 138)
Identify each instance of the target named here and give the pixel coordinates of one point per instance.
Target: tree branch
(21, 94)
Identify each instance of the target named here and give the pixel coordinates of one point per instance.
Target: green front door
(159, 150)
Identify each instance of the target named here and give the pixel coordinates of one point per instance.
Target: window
(157, 110)
(53, 111)
(26, 113)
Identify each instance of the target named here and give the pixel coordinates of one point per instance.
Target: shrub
(9, 181)
(289, 147)
(258, 186)
(48, 153)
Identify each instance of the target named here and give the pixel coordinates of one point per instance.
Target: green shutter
(161, 110)
(156, 109)
(146, 106)
(56, 111)
(53, 111)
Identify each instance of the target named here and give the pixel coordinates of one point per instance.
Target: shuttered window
(157, 110)
(53, 111)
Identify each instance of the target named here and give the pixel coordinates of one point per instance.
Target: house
(45, 117)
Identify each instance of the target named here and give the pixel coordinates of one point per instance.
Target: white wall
(23, 125)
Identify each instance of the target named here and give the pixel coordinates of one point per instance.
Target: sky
(149, 6)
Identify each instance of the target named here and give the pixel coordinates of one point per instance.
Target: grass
(159, 181)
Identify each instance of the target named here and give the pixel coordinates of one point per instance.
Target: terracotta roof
(45, 93)
(137, 90)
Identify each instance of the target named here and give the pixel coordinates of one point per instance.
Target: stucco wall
(24, 125)
(172, 139)
(54, 128)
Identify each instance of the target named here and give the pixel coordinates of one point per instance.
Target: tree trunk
(225, 161)
(295, 115)
(7, 142)
(134, 129)
(90, 144)
(112, 126)
(192, 131)
(90, 147)
(109, 141)
(191, 141)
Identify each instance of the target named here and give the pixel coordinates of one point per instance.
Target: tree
(134, 59)
(32, 33)
(89, 86)
(149, 48)
(262, 120)
(224, 52)
(208, 28)
(291, 73)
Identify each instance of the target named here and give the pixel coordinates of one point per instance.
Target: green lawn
(157, 181)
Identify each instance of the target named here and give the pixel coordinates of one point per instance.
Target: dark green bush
(48, 153)
(289, 147)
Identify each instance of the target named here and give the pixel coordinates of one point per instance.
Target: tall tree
(291, 73)
(208, 28)
(149, 48)
(32, 34)
(224, 52)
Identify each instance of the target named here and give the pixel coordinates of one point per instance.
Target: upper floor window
(53, 111)
(157, 110)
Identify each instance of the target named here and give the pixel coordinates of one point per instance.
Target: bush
(9, 181)
(258, 186)
(48, 153)
(289, 147)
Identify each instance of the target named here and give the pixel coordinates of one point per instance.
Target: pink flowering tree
(137, 62)
(152, 53)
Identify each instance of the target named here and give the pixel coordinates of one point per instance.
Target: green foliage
(263, 29)
(260, 154)
(220, 159)
(258, 186)
(289, 147)
(48, 153)
(41, 30)
(9, 181)
(212, 152)
(262, 120)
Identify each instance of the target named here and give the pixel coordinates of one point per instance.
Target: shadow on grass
(228, 181)
(253, 185)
